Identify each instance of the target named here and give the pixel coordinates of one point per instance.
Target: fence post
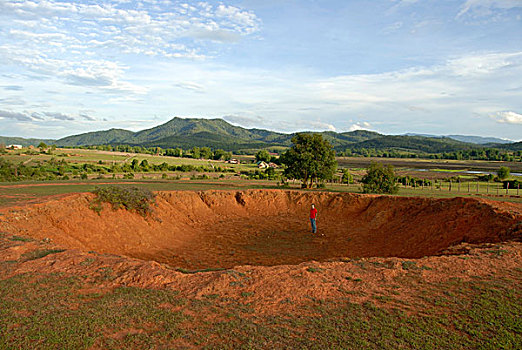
(468, 186)
(487, 187)
(507, 187)
(450, 186)
(497, 189)
(477, 186)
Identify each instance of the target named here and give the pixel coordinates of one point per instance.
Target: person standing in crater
(313, 217)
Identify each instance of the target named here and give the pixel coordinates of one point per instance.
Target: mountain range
(217, 133)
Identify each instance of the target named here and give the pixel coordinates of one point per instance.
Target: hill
(112, 136)
(217, 133)
(515, 146)
(479, 140)
(6, 140)
(416, 143)
(214, 133)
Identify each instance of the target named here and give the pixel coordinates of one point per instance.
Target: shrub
(503, 172)
(379, 179)
(129, 198)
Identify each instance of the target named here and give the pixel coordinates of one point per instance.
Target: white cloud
(15, 115)
(189, 85)
(507, 117)
(245, 121)
(316, 125)
(482, 8)
(360, 126)
(57, 38)
(421, 85)
(484, 64)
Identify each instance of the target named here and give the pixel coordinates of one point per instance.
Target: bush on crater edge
(128, 198)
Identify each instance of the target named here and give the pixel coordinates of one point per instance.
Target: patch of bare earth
(256, 246)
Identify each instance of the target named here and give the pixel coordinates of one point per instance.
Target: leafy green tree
(347, 177)
(503, 172)
(379, 178)
(196, 154)
(42, 146)
(263, 156)
(270, 173)
(206, 153)
(310, 159)
(144, 165)
(221, 154)
(135, 165)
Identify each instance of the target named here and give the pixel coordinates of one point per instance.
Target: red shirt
(313, 213)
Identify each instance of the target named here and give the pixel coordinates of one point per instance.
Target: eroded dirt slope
(222, 229)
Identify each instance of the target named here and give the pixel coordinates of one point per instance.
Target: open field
(30, 192)
(81, 156)
(430, 164)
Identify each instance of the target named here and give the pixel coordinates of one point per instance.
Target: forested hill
(214, 133)
(187, 133)
(7, 140)
(106, 137)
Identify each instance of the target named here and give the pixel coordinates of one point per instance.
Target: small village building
(14, 147)
(262, 165)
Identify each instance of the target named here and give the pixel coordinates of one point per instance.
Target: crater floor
(223, 229)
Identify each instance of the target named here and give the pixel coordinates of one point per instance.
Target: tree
(42, 146)
(205, 153)
(144, 165)
(347, 177)
(196, 154)
(379, 179)
(135, 164)
(310, 159)
(221, 154)
(503, 172)
(263, 156)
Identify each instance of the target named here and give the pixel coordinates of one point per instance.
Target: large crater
(222, 229)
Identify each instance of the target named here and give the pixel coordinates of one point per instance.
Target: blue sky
(422, 66)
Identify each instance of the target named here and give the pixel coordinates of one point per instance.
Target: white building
(14, 147)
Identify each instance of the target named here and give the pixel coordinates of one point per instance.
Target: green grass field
(80, 156)
(53, 311)
(21, 192)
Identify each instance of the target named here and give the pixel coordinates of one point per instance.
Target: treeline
(194, 152)
(491, 154)
(62, 170)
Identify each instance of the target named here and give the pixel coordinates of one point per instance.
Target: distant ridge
(6, 140)
(111, 136)
(217, 133)
(479, 140)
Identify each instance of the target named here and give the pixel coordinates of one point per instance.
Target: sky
(393, 66)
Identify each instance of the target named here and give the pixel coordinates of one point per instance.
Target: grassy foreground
(53, 311)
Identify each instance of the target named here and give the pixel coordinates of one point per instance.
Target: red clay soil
(223, 229)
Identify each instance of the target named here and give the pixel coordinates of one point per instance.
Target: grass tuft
(40, 253)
